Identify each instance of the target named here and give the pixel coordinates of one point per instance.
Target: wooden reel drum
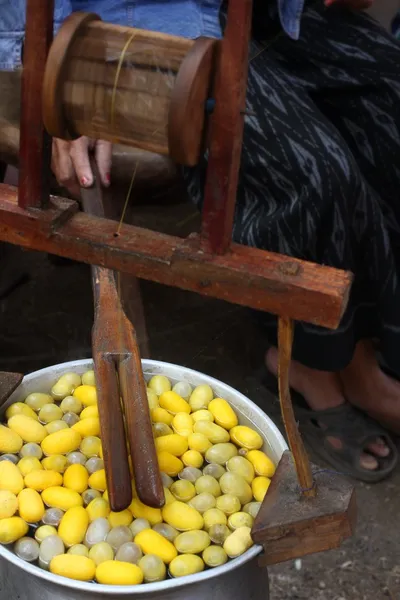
(128, 86)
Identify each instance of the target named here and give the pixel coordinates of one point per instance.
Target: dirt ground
(48, 320)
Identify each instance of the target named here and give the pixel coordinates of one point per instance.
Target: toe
(367, 461)
(379, 448)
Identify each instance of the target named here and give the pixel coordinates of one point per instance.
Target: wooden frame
(210, 265)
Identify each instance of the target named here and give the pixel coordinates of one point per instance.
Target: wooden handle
(111, 418)
(115, 454)
(148, 481)
(114, 336)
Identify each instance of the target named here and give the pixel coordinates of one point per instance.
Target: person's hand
(353, 4)
(71, 165)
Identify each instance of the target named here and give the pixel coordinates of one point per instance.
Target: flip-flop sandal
(354, 430)
(346, 423)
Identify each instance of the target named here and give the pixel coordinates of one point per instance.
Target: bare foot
(366, 386)
(323, 390)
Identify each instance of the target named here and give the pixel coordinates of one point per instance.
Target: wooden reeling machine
(181, 98)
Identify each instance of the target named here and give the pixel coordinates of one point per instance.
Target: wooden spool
(128, 86)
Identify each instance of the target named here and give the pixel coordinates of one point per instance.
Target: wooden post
(227, 130)
(301, 460)
(35, 143)
(296, 518)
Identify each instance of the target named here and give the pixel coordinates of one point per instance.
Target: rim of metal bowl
(168, 584)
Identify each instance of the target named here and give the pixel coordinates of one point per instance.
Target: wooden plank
(35, 144)
(289, 525)
(246, 276)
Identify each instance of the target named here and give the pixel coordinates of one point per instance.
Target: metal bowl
(237, 579)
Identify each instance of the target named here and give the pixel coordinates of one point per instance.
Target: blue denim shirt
(188, 18)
